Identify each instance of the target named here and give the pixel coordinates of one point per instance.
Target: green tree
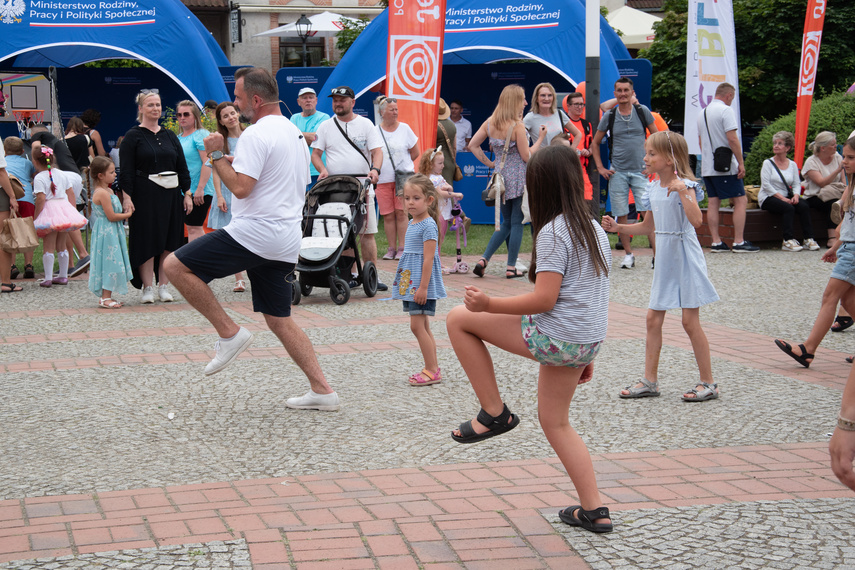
(835, 113)
(117, 63)
(768, 46)
(350, 31)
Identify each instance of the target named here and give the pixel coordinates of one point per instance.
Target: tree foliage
(835, 113)
(350, 31)
(768, 46)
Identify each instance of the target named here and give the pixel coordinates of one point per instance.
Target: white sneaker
(312, 401)
(164, 294)
(791, 245)
(811, 245)
(147, 295)
(628, 261)
(228, 350)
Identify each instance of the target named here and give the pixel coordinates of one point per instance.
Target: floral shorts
(552, 352)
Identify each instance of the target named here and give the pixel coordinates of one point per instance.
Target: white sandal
(240, 286)
(647, 389)
(109, 303)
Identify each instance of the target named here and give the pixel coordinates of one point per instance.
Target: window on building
(291, 52)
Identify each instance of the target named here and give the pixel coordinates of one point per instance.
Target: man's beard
(341, 112)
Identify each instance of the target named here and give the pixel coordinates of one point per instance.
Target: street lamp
(304, 28)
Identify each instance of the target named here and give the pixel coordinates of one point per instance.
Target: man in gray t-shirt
(626, 155)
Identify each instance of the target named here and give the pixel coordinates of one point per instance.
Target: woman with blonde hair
(505, 125)
(158, 203)
(824, 170)
(191, 138)
(545, 111)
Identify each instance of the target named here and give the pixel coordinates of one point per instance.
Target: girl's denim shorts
(844, 269)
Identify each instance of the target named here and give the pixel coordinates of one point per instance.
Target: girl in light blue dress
(680, 278)
(418, 279)
(110, 268)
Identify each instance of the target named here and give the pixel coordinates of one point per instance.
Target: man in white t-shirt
(343, 158)
(268, 177)
(717, 127)
(464, 127)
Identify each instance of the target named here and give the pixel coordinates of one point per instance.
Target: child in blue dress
(110, 268)
(418, 280)
(680, 278)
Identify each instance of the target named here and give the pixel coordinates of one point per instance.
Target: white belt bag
(165, 179)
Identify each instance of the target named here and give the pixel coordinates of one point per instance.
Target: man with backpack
(626, 125)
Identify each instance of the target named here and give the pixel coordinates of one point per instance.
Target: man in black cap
(352, 146)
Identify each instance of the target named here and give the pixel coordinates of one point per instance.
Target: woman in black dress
(78, 142)
(157, 223)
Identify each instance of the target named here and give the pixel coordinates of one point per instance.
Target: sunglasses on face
(184, 114)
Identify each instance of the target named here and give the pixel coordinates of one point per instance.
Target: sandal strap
(594, 514)
(466, 429)
(652, 386)
(487, 420)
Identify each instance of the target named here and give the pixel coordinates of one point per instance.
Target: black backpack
(613, 111)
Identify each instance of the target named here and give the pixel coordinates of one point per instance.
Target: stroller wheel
(295, 294)
(369, 279)
(339, 291)
(305, 288)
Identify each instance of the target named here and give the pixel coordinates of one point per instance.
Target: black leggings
(787, 211)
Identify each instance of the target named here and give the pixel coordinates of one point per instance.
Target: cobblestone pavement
(109, 423)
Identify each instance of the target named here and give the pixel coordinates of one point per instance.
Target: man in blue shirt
(308, 122)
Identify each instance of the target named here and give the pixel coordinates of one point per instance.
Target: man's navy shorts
(724, 187)
(217, 255)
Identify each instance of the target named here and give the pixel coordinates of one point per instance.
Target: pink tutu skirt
(59, 215)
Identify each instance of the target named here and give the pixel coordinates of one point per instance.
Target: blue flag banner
(42, 33)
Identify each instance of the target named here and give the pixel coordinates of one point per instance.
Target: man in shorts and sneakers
(343, 158)
(627, 125)
(717, 127)
(267, 177)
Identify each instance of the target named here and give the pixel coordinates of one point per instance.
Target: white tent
(635, 26)
(324, 25)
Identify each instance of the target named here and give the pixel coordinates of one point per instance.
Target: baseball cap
(305, 90)
(344, 91)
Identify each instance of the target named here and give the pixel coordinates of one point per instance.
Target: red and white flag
(414, 65)
(811, 41)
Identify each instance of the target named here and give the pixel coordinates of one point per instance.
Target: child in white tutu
(55, 213)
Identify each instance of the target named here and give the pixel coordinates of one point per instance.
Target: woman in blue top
(201, 184)
(418, 280)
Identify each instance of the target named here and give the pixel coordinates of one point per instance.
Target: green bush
(835, 113)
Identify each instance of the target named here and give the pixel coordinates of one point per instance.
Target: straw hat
(444, 111)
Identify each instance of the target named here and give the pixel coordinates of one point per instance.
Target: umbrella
(636, 26)
(325, 24)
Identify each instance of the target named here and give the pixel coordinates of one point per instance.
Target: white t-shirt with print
(400, 141)
(267, 222)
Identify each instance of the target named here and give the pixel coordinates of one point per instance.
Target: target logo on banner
(415, 63)
(810, 59)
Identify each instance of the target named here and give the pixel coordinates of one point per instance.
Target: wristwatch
(188, 193)
(216, 155)
(377, 169)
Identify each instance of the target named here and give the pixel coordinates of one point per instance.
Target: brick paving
(475, 514)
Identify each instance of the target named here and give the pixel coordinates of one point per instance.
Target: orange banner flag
(811, 41)
(414, 64)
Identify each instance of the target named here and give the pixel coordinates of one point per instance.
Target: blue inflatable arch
(161, 32)
(551, 32)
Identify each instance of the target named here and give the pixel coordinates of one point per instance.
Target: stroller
(459, 224)
(333, 214)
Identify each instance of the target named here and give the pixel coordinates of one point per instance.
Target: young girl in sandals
(431, 164)
(110, 268)
(841, 285)
(55, 213)
(680, 276)
(561, 324)
(418, 279)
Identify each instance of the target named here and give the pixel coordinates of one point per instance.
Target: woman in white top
(401, 142)
(545, 111)
(823, 168)
(779, 192)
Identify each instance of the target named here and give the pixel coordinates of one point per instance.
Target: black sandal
(480, 267)
(14, 274)
(504, 422)
(29, 272)
(586, 519)
(513, 273)
(840, 323)
(800, 358)
(12, 288)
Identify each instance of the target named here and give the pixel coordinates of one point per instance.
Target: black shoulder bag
(401, 176)
(722, 156)
(778, 170)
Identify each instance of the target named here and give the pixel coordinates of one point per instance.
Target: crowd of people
(258, 176)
